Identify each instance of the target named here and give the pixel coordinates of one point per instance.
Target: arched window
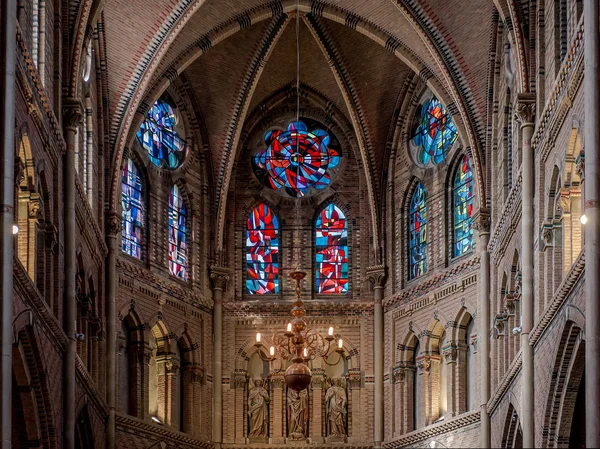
(331, 241)
(462, 205)
(134, 212)
(165, 147)
(262, 252)
(434, 133)
(178, 235)
(417, 233)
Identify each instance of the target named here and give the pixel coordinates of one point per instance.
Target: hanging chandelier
(299, 345)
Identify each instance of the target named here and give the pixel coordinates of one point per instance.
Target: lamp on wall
(299, 345)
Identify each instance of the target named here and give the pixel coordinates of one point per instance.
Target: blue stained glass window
(178, 235)
(296, 160)
(435, 133)
(134, 211)
(418, 233)
(166, 149)
(463, 208)
(262, 252)
(331, 240)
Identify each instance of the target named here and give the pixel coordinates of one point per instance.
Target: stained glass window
(262, 252)
(331, 240)
(134, 211)
(463, 208)
(435, 133)
(178, 235)
(418, 233)
(157, 135)
(296, 160)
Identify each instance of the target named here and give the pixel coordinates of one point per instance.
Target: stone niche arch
(33, 418)
(566, 395)
(405, 391)
(512, 434)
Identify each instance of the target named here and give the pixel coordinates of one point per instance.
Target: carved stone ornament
(114, 224)
(580, 164)
(424, 364)
(474, 342)
(399, 374)
(450, 354)
(354, 378)
(499, 322)
(219, 276)
(564, 200)
(239, 379)
(525, 109)
(72, 113)
(482, 220)
(277, 380)
(376, 275)
(51, 236)
(20, 178)
(518, 284)
(548, 235)
(196, 375)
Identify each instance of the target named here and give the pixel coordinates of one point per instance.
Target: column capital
(219, 276)
(377, 275)
(525, 109)
(72, 112)
(482, 220)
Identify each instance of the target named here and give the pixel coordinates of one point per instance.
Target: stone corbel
(482, 220)
(518, 285)
(51, 236)
(564, 200)
(34, 207)
(499, 321)
(114, 224)
(196, 374)
(547, 235)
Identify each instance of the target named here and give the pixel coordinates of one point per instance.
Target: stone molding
(458, 422)
(507, 223)
(129, 424)
(432, 297)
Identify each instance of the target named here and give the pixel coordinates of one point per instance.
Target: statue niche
(297, 414)
(336, 411)
(258, 409)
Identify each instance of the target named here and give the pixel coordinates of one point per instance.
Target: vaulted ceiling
(357, 53)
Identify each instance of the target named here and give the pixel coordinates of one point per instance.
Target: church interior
(299, 223)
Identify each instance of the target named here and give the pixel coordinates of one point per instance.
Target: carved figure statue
(258, 408)
(335, 409)
(297, 408)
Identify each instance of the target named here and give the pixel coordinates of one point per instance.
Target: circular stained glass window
(434, 133)
(299, 160)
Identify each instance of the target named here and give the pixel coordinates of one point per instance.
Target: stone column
(317, 429)
(220, 276)
(376, 275)
(399, 379)
(277, 409)
(355, 410)
(592, 228)
(481, 223)
(525, 111)
(72, 117)
(8, 18)
(113, 229)
(239, 382)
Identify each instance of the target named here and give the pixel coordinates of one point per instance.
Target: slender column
(482, 225)
(525, 110)
(8, 20)
(376, 275)
(592, 228)
(220, 276)
(113, 229)
(72, 115)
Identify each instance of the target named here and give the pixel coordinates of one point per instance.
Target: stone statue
(297, 408)
(335, 409)
(258, 408)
